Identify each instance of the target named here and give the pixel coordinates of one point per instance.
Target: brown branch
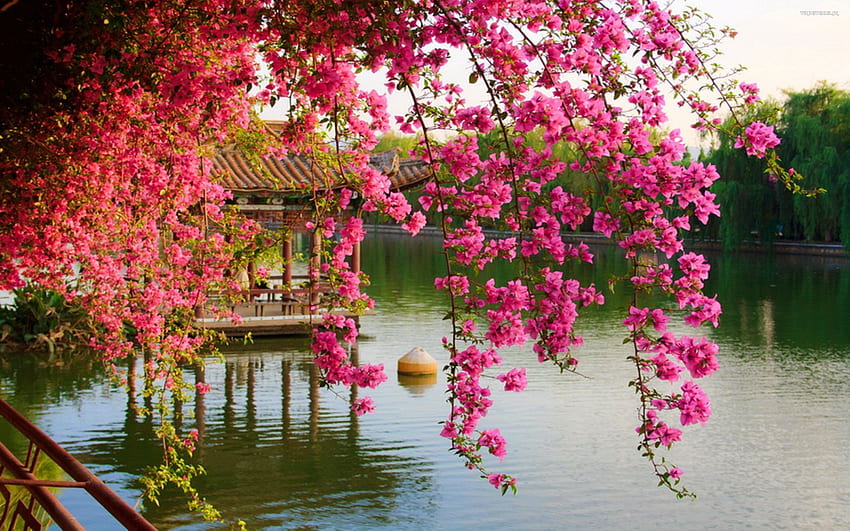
(8, 5)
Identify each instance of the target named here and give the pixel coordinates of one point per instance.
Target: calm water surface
(284, 454)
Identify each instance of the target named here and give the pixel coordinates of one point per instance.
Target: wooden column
(287, 260)
(355, 258)
(252, 275)
(315, 265)
(200, 405)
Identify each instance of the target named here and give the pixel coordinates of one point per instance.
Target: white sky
(781, 46)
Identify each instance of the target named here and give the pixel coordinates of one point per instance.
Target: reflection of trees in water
(403, 269)
(790, 301)
(32, 388)
(27, 383)
(279, 449)
(297, 459)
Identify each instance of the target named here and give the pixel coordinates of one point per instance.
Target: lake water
(283, 454)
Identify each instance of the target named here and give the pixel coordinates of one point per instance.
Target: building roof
(299, 174)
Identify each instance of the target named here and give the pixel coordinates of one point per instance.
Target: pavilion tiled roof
(298, 174)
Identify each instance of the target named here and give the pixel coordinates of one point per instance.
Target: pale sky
(785, 44)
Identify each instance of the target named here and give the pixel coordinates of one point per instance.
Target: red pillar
(287, 260)
(355, 258)
(315, 265)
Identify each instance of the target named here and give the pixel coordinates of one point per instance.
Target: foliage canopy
(813, 125)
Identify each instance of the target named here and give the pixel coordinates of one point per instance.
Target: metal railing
(42, 504)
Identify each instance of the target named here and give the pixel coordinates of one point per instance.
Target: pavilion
(278, 194)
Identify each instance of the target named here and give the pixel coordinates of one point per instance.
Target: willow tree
(814, 126)
(747, 198)
(109, 198)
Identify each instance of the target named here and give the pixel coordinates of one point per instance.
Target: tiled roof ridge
(298, 173)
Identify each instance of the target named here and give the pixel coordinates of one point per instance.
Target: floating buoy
(417, 362)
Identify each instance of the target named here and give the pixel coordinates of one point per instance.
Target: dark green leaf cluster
(814, 126)
(42, 319)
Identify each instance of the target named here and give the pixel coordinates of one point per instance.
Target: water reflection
(283, 452)
(789, 301)
(417, 384)
(278, 447)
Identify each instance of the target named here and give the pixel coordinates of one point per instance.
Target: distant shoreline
(831, 250)
(779, 247)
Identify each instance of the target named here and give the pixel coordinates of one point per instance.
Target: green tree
(815, 129)
(393, 140)
(747, 199)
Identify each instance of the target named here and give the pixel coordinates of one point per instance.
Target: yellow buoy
(416, 362)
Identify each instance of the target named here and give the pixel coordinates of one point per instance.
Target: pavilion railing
(42, 507)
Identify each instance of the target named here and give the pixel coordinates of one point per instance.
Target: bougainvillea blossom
(110, 184)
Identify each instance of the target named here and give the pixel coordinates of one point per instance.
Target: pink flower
(759, 138)
(705, 206)
(495, 442)
(698, 355)
(675, 473)
(604, 223)
(660, 404)
(659, 320)
(457, 284)
(449, 430)
(693, 405)
(665, 369)
(655, 429)
(475, 119)
(362, 406)
(370, 375)
(637, 318)
(498, 480)
(514, 380)
(750, 91)
(694, 266)
(417, 221)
